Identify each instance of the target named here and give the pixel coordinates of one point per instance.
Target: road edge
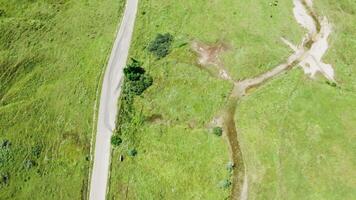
(109, 61)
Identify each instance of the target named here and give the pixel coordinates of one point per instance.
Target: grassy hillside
(298, 140)
(51, 57)
(296, 133)
(178, 157)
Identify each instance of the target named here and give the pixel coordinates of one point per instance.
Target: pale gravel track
(108, 103)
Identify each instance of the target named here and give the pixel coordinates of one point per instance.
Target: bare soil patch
(155, 118)
(209, 58)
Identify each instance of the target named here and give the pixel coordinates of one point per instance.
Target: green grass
(296, 134)
(298, 140)
(186, 98)
(51, 57)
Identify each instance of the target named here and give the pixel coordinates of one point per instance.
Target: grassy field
(296, 134)
(51, 57)
(298, 138)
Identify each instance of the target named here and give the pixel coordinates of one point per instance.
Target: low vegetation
(51, 56)
(294, 132)
(136, 81)
(116, 140)
(225, 184)
(218, 131)
(161, 45)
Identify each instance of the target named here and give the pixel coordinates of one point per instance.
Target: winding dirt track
(308, 55)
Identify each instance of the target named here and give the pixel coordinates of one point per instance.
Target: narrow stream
(230, 130)
(313, 46)
(239, 177)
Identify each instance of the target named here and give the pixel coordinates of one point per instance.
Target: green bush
(137, 81)
(139, 86)
(230, 166)
(132, 152)
(36, 151)
(2, 13)
(4, 179)
(147, 81)
(116, 140)
(225, 184)
(134, 71)
(218, 131)
(161, 45)
(331, 83)
(5, 144)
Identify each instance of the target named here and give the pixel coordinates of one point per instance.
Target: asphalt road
(108, 103)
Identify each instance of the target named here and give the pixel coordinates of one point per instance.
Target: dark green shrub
(139, 86)
(331, 83)
(147, 81)
(5, 144)
(36, 151)
(218, 131)
(161, 45)
(132, 152)
(137, 81)
(4, 178)
(134, 71)
(230, 166)
(2, 13)
(116, 140)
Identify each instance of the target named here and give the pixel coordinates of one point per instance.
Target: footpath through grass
(51, 57)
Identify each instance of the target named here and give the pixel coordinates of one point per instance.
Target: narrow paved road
(108, 103)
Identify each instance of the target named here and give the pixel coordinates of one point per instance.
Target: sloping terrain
(51, 58)
(297, 139)
(295, 132)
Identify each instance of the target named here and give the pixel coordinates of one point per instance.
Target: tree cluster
(135, 83)
(136, 79)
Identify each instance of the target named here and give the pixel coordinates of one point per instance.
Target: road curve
(108, 103)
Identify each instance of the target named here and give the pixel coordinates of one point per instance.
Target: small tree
(116, 140)
(137, 81)
(134, 71)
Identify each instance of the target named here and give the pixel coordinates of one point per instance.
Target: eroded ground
(283, 126)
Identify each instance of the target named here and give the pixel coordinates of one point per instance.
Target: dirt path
(308, 55)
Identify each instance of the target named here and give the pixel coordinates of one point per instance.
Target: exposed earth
(308, 55)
